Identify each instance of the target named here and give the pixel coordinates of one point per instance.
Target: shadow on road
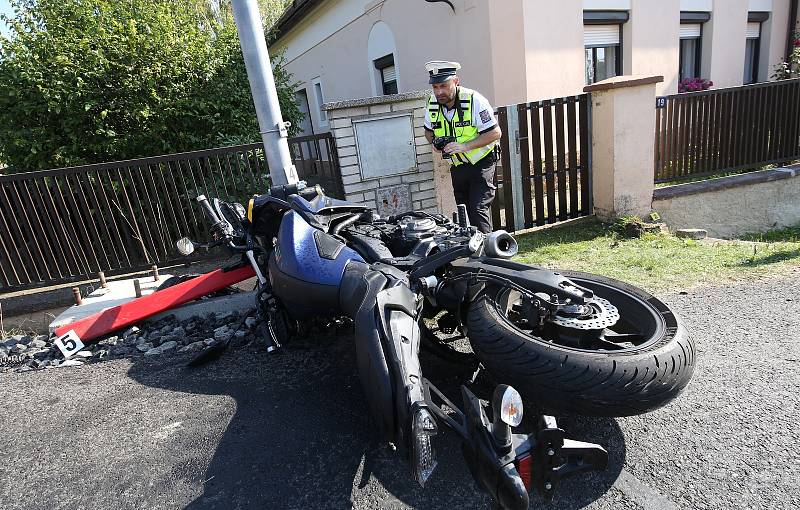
(301, 437)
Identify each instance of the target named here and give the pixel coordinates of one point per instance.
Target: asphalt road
(291, 431)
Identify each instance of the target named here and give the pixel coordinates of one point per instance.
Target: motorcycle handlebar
(284, 191)
(205, 205)
(219, 226)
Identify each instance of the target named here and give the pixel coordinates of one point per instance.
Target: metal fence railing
(317, 162)
(726, 130)
(68, 224)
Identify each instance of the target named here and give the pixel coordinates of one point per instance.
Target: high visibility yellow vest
(460, 126)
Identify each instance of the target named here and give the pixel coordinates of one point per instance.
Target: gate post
(515, 162)
(623, 147)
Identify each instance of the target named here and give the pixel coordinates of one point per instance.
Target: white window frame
(609, 40)
(380, 84)
(692, 31)
(756, 62)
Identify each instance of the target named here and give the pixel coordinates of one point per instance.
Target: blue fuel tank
(307, 266)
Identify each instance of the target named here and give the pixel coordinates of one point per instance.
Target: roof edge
(293, 15)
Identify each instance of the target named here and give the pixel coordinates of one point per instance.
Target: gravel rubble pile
(167, 336)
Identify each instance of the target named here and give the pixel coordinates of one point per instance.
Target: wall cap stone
(621, 82)
(366, 101)
(732, 181)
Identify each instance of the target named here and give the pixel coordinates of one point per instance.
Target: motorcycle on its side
(565, 341)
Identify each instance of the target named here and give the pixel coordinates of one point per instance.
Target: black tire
(565, 379)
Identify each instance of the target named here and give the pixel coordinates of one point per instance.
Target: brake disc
(602, 314)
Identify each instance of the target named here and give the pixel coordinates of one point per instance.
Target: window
(603, 45)
(323, 115)
(752, 49)
(301, 98)
(381, 63)
(387, 74)
(602, 39)
(690, 51)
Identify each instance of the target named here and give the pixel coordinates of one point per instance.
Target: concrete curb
(721, 183)
(27, 301)
(242, 302)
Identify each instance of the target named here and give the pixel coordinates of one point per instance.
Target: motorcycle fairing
(358, 299)
(399, 315)
(387, 338)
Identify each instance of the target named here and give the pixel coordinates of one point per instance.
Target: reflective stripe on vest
(459, 126)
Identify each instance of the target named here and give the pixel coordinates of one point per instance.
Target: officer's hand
(454, 147)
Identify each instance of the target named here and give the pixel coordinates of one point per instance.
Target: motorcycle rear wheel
(638, 365)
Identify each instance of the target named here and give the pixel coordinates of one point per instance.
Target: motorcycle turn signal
(423, 456)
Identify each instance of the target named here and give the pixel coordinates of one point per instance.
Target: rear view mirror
(185, 246)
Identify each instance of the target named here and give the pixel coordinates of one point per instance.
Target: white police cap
(441, 70)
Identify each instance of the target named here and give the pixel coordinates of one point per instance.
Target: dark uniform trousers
(473, 185)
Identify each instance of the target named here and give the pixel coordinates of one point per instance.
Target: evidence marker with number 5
(69, 344)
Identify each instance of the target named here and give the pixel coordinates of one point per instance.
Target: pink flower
(694, 84)
(797, 43)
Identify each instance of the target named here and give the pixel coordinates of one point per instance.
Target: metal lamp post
(262, 86)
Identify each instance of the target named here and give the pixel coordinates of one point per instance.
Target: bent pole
(265, 96)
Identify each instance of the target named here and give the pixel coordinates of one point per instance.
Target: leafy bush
(694, 85)
(86, 81)
(790, 68)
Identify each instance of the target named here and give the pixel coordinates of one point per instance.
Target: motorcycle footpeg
(556, 458)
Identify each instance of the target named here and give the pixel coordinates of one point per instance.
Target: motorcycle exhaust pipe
(500, 244)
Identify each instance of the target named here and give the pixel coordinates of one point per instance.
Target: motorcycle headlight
(423, 457)
(185, 246)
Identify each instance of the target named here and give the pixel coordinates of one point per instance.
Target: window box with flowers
(694, 85)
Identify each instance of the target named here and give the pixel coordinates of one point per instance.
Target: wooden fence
(68, 224)
(726, 130)
(544, 171)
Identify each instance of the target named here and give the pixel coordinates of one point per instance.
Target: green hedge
(86, 81)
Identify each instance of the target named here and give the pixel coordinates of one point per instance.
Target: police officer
(465, 115)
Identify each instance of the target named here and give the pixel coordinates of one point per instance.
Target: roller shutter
(600, 35)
